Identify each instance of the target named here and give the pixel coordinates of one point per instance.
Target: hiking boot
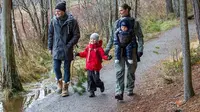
(65, 90)
(92, 94)
(59, 88)
(119, 96)
(130, 94)
(130, 61)
(102, 88)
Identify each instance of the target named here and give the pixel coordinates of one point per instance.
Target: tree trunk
(136, 7)
(22, 19)
(51, 9)
(196, 8)
(169, 6)
(10, 75)
(116, 9)
(176, 6)
(110, 21)
(17, 40)
(188, 89)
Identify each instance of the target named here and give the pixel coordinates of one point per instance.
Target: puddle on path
(20, 103)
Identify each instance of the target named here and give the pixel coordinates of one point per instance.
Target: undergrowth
(174, 68)
(153, 26)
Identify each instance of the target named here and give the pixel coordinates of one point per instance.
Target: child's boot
(119, 96)
(65, 90)
(102, 88)
(59, 84)
(92, 94)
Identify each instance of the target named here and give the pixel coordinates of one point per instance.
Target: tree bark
(51, 9)
(169, 6)
(188, 89)
(10, 75)
(136, 7)
(176, 6)
(196, 8)
(17, 40)
(116, 9)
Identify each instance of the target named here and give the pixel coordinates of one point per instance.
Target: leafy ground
(155, 95)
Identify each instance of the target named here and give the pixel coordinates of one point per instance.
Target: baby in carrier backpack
(122, 41)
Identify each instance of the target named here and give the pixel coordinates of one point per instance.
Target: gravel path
(155, 51)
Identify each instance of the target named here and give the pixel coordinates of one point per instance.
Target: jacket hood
(99, 44)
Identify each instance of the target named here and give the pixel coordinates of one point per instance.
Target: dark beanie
(61, 6)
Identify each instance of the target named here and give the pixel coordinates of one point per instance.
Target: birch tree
(10, 77)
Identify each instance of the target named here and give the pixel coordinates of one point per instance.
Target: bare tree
(10, 77)
(176, 7)
(136, 8)
(188, 89)
(116, 9)
(51, 8)
(17, 40)
(44, 21)
(22, 18)
(169, 6)
(196, 8)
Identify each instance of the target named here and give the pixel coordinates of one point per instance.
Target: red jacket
(94, 54)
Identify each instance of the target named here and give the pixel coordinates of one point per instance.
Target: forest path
(155, 51)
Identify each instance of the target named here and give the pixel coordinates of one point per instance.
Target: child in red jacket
(94, 54)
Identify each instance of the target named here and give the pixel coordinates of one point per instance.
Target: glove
(109, 57)
(140, 54)
(76, 54)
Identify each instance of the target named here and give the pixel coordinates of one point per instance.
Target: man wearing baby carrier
(135, 45)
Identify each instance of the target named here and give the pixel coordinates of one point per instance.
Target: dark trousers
(57, 69)
(94, 80)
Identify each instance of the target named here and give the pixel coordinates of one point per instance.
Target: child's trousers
(94, 80)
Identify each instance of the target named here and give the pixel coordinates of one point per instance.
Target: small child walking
(94, 54)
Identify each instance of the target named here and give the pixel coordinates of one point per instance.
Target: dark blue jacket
(68, 30)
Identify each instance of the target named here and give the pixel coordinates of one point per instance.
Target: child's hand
(109, 57)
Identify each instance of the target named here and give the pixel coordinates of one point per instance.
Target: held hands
(76, 54)
(109, 57)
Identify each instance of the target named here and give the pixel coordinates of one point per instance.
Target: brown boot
(59, 88)
(65, 90)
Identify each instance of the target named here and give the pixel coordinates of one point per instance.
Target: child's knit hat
(124, 22)
(94, 36)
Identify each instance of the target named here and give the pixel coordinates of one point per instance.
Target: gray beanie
(94, 36)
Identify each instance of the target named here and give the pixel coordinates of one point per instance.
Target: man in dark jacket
(62, 36)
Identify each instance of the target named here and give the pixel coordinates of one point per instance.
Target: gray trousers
(130, 74)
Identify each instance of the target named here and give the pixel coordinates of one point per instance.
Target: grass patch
(153, 27)
(36, 63)
(175, 68)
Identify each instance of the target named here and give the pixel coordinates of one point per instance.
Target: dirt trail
(155, 50)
